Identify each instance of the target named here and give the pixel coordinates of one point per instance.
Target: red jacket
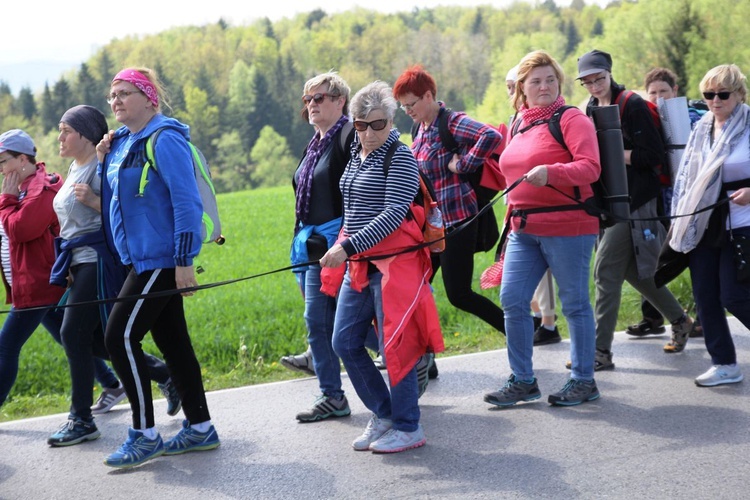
(31, 225)
(411, 322)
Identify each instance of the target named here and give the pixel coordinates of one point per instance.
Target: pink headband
(139, 80)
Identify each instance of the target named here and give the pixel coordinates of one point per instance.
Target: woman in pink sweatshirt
(542, 239)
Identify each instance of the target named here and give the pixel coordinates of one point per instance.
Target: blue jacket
(162, 228)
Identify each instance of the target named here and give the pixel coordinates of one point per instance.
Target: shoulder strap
(150, 160)
(346, 136)
(449, 142)
(622, 100)
(389, 156)
(554, 125)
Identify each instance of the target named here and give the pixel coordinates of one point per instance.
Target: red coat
(31, 226)
(411, 322)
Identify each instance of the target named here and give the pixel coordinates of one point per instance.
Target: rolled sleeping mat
(675, 127)
(612, 156)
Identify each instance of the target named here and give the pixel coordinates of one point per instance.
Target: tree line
(239, 87)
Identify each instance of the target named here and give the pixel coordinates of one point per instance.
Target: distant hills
(34, 74)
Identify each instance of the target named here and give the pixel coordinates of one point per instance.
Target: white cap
(512, 74)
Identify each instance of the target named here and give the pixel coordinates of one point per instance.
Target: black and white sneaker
(325, 407)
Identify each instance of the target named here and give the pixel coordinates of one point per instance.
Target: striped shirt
(375, 206)
(477, 142)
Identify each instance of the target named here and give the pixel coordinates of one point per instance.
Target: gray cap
(18, 141)
(593, 62)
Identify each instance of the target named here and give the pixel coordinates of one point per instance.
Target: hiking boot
(325, 407)
(376, 427)
(719, 375)
(107, 399)
(647, 326)
(189, 439)
(74, 431)
(544, 336)
(423, 371)
(680, 333)
(300, 362)
(379, 362)
(432, 373)
(513, 392)
(574, 393)
(395, 441)
(174, 403)
(136, 450)
(697, 330)
(602, 361)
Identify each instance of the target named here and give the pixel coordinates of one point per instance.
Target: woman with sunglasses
(417, 92)
(716, 165)
(380, 220)
(628, 252)
(157, 234)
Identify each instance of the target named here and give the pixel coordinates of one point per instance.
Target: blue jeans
(716, 289)
(18, 327)
(320, 312)
(354, 314)
(527, 258)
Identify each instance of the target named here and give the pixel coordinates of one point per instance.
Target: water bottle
(648, 235)
(434, 229)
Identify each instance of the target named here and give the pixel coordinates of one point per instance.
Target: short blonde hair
(336, 87)
(726, 76)
(530, 61)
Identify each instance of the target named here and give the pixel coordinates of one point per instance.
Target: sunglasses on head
(376, 125)
(318, 98)
(709, 96)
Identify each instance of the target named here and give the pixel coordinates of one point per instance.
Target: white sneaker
(395, 441)
(376, 427)
(720, 374)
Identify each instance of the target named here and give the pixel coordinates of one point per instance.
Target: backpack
(487, 230)
(598, 205)
(424, 197)
(622, 99)
(211, 226)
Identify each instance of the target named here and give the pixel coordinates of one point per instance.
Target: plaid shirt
(454, 192)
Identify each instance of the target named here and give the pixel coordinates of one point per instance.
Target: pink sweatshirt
(577, 166)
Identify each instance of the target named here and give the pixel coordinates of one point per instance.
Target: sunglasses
(376, 125)
(318, 98)
(709, 96)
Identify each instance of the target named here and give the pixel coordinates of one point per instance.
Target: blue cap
(18, 141)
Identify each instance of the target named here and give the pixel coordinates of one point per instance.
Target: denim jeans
(527, 258)
(320, 312)
(18, 327)
(354, 314)
(716, 289)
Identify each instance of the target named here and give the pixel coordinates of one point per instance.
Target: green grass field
(240, 330)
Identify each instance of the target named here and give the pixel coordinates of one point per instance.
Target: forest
(239, 87)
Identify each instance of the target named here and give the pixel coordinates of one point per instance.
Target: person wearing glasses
(625, 251)
(381, 220)
(416, 90)
(157, 234)
(542, 240)
(28, 226)
(716, 165)
(81, 253)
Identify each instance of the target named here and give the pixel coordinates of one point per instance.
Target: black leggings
(165, 317)
(457, 262)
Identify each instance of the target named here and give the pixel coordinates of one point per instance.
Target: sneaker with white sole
(395, 441)
(74, 431)
(719, 375)
(325, 407)
(108, 399)
(300, 362)
(190, 439)
(174, 403)
(376, 427)
(136, 450)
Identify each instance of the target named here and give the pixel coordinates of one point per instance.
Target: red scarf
(530, 115)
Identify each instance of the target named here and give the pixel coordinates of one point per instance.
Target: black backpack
(596, 206)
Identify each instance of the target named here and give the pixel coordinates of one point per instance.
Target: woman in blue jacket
(157, 234)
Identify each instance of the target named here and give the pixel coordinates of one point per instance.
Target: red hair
(414, 80)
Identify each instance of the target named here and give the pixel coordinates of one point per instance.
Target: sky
(62, 34)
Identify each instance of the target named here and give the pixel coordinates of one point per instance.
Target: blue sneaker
(189, 439)
(74, 431)
(135, 450)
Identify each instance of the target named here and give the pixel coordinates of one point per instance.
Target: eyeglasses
(594, 82)
(709, 96)
(318, 98)
(376, 125)
(121, 95)
(409, 107)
